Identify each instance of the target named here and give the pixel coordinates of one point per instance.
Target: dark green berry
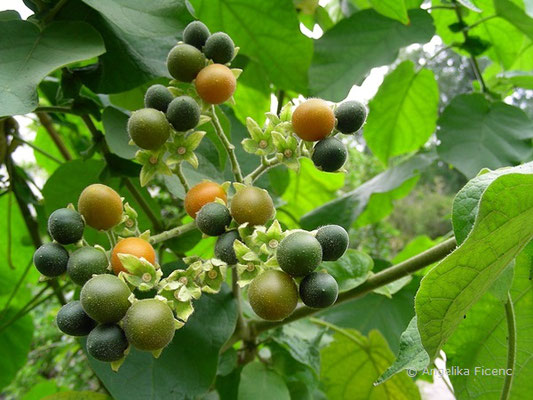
(319, 290)
(219, 48)
(329, 154)
(66, 226)
(334, 241)
(299, 254)
(196, 34)
(351, 116)
(213, 219)
(51, 259)
(224, 247)
(86, 262)
(72, 320)
(183, 113)
(107, 342)
(158, 97)
(184, 62)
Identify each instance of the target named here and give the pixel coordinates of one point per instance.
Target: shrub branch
(230, 149)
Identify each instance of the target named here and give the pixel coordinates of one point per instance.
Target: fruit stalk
(172, 233)
(235, 166)
(380, 279)
(179, 173)
(511, 348)
(266, 164)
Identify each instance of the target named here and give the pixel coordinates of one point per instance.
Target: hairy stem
(380, 279)
(511, 348)
(179, 173)
(265, 166)
(230, 149)
(47, 123)
(172, 233)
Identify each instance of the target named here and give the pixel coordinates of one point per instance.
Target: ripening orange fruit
(215, 84)
(135, 246)
(201, 194)
(313, 120)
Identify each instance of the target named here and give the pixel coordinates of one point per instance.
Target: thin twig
(172, 233)
(178, 171)
(511, 348)
(340, 330)
(144, 205)
(261, 169)
(38, 149)
(230, 149)
(53, 12)
(47, 123)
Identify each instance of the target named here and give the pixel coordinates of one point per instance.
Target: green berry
(158, 97)
(213, 219)
(319, 290)
(66, 226)
(196, 34)
(51, 259)
(184, 62)
(273, 295)
(72, 320)
(148, 128)
(329, 154)
(86, 262)
(219, 48)
(224, 247)
(299, 254)
(350, 116)
(183, 113)
(334, 241)
(107, 342)
(105, 298)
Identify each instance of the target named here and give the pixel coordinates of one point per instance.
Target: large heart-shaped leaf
(476, 134)
(266, 31)
(347, 208)
(15, 344)
(403, 114)
(28, 54)
(501, 229)
(187, 367)
(349, 50)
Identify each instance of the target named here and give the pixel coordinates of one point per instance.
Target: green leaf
(416, 246)
(116, 133)
(137, 37)
(468, 4)
(15, 344)
(266, 31)
(346, 209)
(481, 341)
(27, 55)
(187, 367)
(476, 134)
(501, 229)
(412, 355)
(260, 383)
(77, 396)
(403, 114)
(394, 9)
(349, 50)
(352, 363)
(515, 15)
(352, 269)
(252, 96)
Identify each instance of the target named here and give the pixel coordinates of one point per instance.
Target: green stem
(47, 123)
(143, 204)
(44, 153)
(380, 279)
(52, 13)
(511, 348)
(265, 166)
(54, 109)
(337, 329)
(179, 173)
(172, 233)
(230, 149)
(480, 21)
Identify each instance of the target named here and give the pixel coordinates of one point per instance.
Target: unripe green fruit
(184, 62)
(66, 226)
(158, 97)
(149, 325)
(51, 259)
(252, 205)
(329, 154)
(183, 113)
(107, 342)
(105, 298)
(351, 116)
(213, 219)
(299, 254)
(273, 295)
(72, 320)
(196, 34)
(319, 290)
(334, 241)
(220, 48)
(224, 247)
(148, 128)
(86, 262)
